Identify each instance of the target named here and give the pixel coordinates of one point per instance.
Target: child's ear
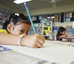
(9, 27)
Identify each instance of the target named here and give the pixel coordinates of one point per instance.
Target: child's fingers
(40, 36)
(42, 41)
(35, 46)
(39, 44)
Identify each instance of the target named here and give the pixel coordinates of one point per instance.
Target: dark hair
(16, 17)
(72, 14)
(61, 29)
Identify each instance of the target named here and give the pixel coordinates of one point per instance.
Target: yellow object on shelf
(46, 27)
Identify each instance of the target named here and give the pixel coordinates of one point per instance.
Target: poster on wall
(67, 19)
(51, 19)
(56, 20)
(0, 14)
(40, 17)
(34, 18)
(70, 15)
(4, 15)
(56, 16)
(67, 15)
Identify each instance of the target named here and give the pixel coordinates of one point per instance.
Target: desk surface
(53, 51)
(68, 38)
(13, 57)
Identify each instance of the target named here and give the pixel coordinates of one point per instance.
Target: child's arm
(8, 39)
(34, 41)
(72, 34)
(30, 41)
(62, 36)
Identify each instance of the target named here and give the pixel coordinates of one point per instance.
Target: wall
(59, 9)
(52, 10)
(12, 10)
(63, 24)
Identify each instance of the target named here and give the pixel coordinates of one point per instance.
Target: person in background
(15, 32)
(72, 19)
(72, 23)
(61, 33)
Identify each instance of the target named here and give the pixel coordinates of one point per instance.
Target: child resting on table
(15, 32)
(61, 33)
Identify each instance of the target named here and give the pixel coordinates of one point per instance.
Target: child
(72, 19)
(61, 33)
(15, 32)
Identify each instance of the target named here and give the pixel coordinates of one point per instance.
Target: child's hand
(62, 36)
(72, 34)
(34, 41)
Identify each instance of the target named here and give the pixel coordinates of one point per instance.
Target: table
(9, 56)
(69, 38)
(50, 53)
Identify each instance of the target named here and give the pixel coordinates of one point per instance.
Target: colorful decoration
(56, 20)
(70, 15)
(1, 14)
(46, 26)
(34, 18)
(40, 17)
(67, 15)
(4, 15)
(38, 30)
(56, 16)
(67, 19)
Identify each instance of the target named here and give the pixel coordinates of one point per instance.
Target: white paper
(50, 52)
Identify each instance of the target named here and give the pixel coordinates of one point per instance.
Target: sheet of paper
(50, 52)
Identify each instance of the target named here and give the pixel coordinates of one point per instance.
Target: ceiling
(33, 5)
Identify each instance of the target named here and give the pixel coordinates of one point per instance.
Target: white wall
(10, 9)
(52, 10)
(63, 24)
(59, 9)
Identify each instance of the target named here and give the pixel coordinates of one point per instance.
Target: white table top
(52, 51)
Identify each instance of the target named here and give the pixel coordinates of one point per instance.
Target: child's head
(61, 30)
(17, 24)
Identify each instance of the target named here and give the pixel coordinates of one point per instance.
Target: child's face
(63, 32)
(21, 28)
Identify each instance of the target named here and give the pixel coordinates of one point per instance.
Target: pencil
(30, 17)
